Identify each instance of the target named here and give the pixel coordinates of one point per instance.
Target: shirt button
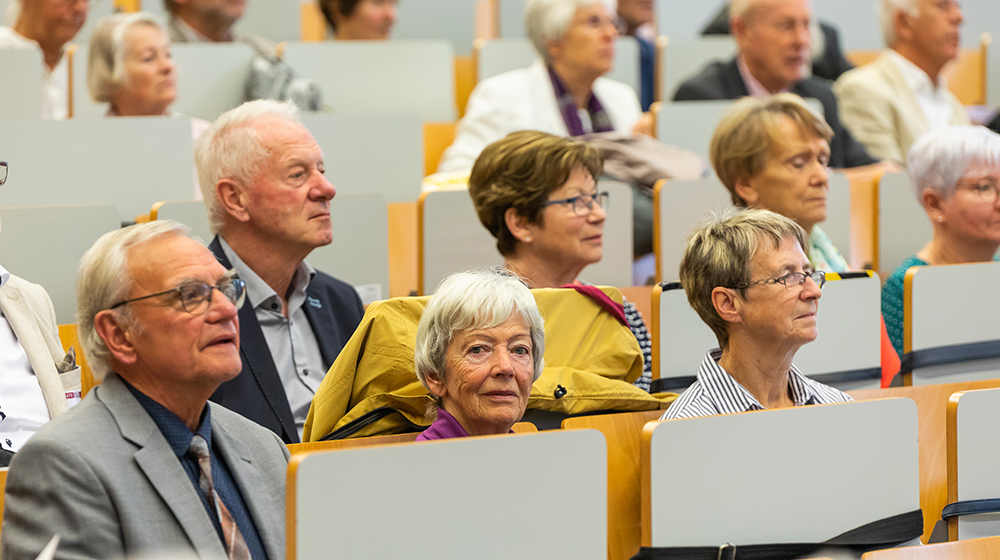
(274, 306)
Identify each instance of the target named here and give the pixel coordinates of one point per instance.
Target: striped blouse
(716, 392)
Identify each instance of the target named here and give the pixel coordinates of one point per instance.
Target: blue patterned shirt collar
(174, 430)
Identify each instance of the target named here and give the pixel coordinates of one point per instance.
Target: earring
(527, 239)
(940, 219)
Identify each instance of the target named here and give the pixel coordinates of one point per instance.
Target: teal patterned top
(892, 302)
(823, 255)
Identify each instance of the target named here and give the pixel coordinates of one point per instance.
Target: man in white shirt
(48, 25)
(36, 382)
(891, 102)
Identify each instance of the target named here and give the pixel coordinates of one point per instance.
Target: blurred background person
(635, 19)
(479, 348)
(536, 193)
(889, 103)
(956, 175)
(212, 21)
(773, 153)
(48, 25)
(563, 94)
(360, 20)
(748, 278)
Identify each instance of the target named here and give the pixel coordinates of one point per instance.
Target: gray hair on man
(231, 148)
(548, 20)
(817, 46)
(103, 280)
(106, 61)
(478, 299)
(939, 159)
(719, 254)
(887, 10)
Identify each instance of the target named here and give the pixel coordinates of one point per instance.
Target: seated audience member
(144, 465)
(479, 348)
(772, 153)
(36, 382)
(891, 102)
(635, 17)
(537, 194)
(563, 94)
(48, 25)
(773, 38)
(360, 20)
(130, 67)
(828, 60)
(956, 175)
(748, 278)
(211, 21)
(261, 174)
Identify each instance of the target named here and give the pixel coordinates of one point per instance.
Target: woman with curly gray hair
(479, 348)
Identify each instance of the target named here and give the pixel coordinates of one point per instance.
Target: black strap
(665, 384)
(863, 374)
(954, 354)
(884, 533)
(970, 507)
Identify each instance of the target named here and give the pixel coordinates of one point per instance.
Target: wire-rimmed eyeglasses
(583, 204)
(196, 297)
(3, 172)
(790, 280)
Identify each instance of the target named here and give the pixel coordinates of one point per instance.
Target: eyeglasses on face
(3, 172)
(988, 191)
(790, 280)
(584, 203)
(196, 297)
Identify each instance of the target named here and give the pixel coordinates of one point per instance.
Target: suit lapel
(734, 82)
(32, 340)
(250, 482)
(257, 358)
(912, 110)
(160, 465)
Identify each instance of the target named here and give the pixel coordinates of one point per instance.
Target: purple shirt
(444, 427)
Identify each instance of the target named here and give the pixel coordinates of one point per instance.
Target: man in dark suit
(774, 37)
(261, 174)
(145, 466)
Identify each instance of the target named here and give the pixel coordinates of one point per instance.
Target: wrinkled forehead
(766, 10)
(171, 259)
(285, 139)
(769, 258)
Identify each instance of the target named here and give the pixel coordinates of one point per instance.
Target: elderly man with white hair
(774, 38)
(47, 25)
(145, 465)
(261, 175)
(562, 94)
(889, 103)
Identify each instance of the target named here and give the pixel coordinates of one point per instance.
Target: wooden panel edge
(657, 226)
(420, 243)
(951, 440)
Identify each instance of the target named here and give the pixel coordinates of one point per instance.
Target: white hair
(547, 20)
(938, 160)
(478, 299)
(106, 61)
(103, 280)
(231, 148)
(887, 10)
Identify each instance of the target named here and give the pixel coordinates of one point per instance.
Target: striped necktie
(236, 547)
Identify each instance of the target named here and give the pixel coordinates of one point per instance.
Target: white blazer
(524, 100)
(30, 313)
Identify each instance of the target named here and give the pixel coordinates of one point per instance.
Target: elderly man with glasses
(748, 278)
(37, 383)
(145, 465)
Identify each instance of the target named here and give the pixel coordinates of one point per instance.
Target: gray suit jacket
(103, 477)
(29, 311)
(881, 110)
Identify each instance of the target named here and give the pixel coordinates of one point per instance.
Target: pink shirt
(755, 88)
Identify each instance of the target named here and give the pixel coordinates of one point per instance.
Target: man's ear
(118, 339)
(738, 29)
(747, 191)
(518, 225)
(232, 198)
(435, 384)
(726, 304)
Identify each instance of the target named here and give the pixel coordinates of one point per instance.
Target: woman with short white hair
(956, 176)
(130, 67)
(564, 93)
(479, 348)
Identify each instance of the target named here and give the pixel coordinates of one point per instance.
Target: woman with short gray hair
(747, 276)
(564, 93)
(479, 348)
(956, 175)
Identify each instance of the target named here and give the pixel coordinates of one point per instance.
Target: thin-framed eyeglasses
(988, 190)
(789, 280)
(3, 172)
(196, 297)
(584, 203)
